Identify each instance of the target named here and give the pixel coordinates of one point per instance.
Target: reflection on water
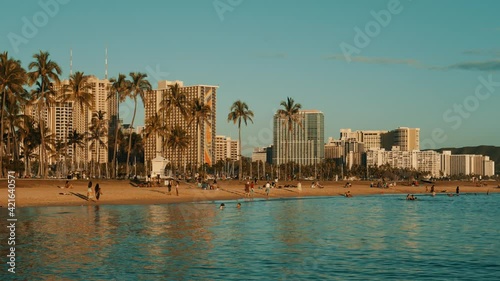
(381, 237)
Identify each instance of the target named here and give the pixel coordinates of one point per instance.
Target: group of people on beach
(90, 193)
(249, 189)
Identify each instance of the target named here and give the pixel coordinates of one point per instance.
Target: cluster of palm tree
(25, 135)
(193, 111)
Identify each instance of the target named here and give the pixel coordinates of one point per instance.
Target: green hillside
(487, 150)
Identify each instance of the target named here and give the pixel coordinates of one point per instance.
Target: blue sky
(420, 68)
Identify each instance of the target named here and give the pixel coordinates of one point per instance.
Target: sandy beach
(35, 192)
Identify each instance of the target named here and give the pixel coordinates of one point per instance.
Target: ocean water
(360, 238)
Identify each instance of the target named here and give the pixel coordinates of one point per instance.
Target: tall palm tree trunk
(240, 176)
(74, 157)
(1, 133)
(41, 170)
(179, 162)
(115, 171)
(14, 141)
(130, 137)
(98, 163)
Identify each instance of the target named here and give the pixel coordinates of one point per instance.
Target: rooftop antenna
(70, 62)
(106, 62)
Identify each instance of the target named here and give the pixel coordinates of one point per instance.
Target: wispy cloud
(488, 65)
(483, 52)
(374, 60)
(272, 56)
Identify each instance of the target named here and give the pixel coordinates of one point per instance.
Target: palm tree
(178, 139)
(58, 153)
(75, 139)
(12, 79)
(174, 98)
(138, 88)
(28, 137)
(198, 112)
(119, 90)
(44, 72)
(97, 131)
(289, 115)
(79, 91)
(15, 120)
(154, 125)
(239, 112)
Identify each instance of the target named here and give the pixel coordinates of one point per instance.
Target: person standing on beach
(89, 191)
(299, 186)
(268, 189)
(169, 186)
(98, 191)
(177, 188)
(458, 190)
(247, 189)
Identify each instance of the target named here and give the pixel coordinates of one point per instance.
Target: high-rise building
(226, 148)
(407, 139)
(435, 163)
(489, 166)
(304, 144)
(82, 119)
(58, 119)
(345, 152)
(61, 118)
(371, 139)
(202, 144)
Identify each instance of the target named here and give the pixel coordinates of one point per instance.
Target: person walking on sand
(169, 185)
(177, 188)
(268, 189)
(299, 186)
(98, 191)
(89, 191)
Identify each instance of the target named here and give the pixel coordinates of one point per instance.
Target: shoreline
(46, 193)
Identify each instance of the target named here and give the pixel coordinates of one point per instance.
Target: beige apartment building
(82, 119)
(406, 139)
(61, 118)
(202, 145)
(437, 164)
(226, 148)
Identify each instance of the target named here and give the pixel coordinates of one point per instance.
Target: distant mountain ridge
(486, 150)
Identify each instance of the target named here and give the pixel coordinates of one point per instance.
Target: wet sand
(35, 192)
